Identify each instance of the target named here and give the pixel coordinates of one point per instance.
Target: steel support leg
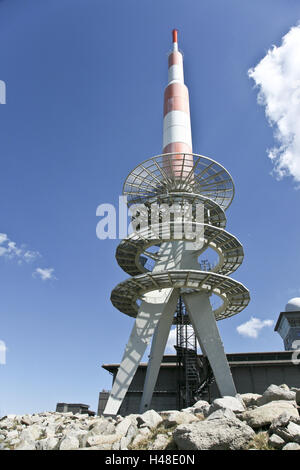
(205, 326)
(157, 350)
(150, 312)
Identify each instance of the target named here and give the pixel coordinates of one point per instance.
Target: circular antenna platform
(235, 296)
(179, 172)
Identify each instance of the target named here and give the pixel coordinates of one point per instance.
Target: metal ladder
(194, 375)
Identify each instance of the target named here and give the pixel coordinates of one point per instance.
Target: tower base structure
(157, 320)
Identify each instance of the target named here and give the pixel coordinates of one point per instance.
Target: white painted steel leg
(157, 350)
(150, 312)
(207, 333)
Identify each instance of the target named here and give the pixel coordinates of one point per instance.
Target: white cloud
(277, 76)
(13, 250)
(10, 250)
(31, 256)
(3, 237)
(45, 274)
(171, 342)
(169, 349)
(252, 327)
(3, 250)
(3, 350)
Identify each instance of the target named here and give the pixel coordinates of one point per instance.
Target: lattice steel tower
(181, 182)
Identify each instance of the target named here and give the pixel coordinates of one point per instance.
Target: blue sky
(85, 81)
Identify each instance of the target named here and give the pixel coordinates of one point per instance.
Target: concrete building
(74, 408)
(251, 372)
(288, 325)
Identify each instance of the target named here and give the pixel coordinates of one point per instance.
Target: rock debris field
(246, 422)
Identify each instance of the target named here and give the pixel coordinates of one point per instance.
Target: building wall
(165, 394)
(72, 407)
(103, 397)
(252, 373)
(256, 379)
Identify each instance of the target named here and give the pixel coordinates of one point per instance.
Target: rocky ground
(249, 421)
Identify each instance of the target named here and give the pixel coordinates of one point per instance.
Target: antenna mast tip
(175, 35)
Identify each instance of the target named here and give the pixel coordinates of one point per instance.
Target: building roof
(74, 404)
(234, 359)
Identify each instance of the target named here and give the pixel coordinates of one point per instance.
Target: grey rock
(250, 399)
(110, 429)
(59, 428)
(104, 439)
(143, 433)
(291, 446)
(14, 442)
(290, 433)
(231, 403)
(280, 422)
(7, 423)
(150, 419)
(275, 393)
(297, 397)
(36, 419)
(228, 434)
(26, 419)
(264, 415)
(31, 433)
(99, 447)
(79, 434)
(50, 430)
(98, 420)
(69, 443)
(190, 409)
(132, 432)
(126, 440)
(284, 387)
(12, 435)
(83, 438)
(12, 416)
(133, 417)
(49, 443)
(69, 413)
(124, 443)
(276, 441)
(222, 414)
(173, 418)
(102, 426)
(161, 441)
(293, 430)
(201, 406)
(25, 445)
(123, 426)
(114, 446)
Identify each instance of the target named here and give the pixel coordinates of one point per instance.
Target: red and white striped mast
(177, 135)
